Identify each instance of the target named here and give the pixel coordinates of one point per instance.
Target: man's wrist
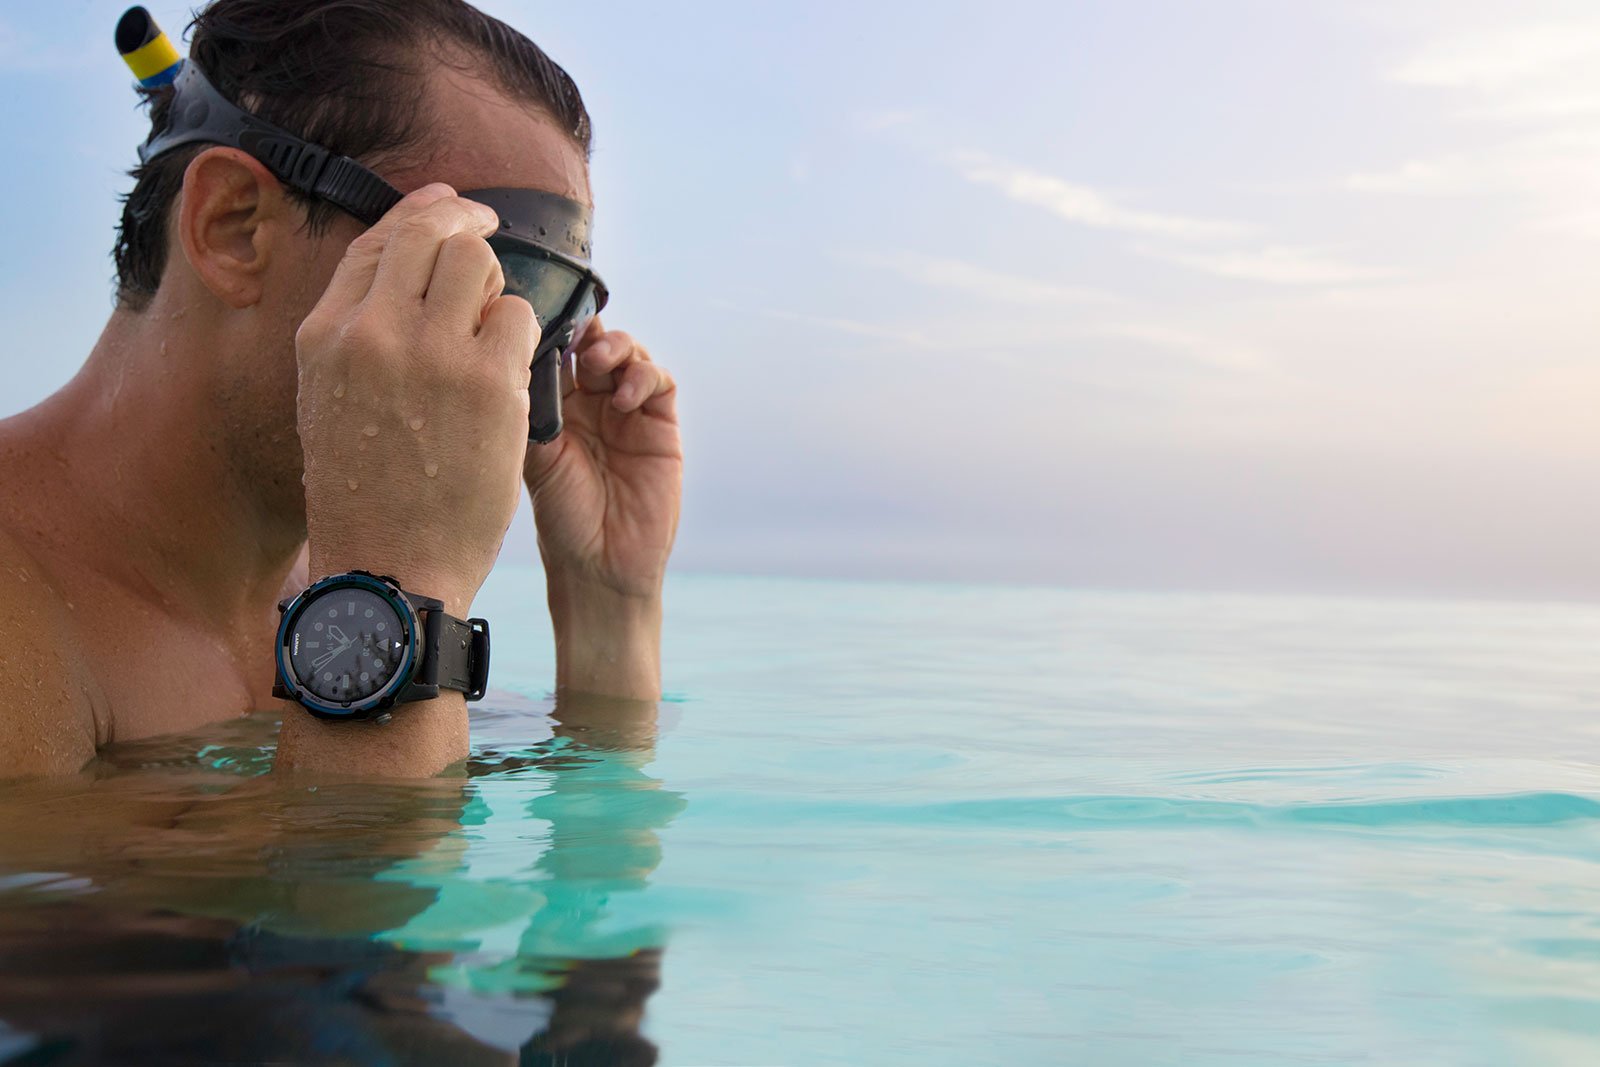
(420, 740)
(607, 643)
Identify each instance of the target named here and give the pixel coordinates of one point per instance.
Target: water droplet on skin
(371, 429)
(338, 391)
(361, 445)
(431, 470)
(353, 484)
(416, 422)
(302, 477)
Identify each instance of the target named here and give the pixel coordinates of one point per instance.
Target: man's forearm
(607, 643)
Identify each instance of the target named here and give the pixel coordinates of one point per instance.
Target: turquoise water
(887, 824)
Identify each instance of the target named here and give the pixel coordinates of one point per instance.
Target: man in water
(283, 393)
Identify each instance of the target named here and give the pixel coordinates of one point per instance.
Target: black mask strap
(200, 114)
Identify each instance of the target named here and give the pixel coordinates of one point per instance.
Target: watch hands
(326, 657)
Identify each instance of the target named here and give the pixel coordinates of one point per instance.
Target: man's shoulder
(46, 719)
(23, 577)
(25, 585)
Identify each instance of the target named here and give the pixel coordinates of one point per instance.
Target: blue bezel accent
(383, 698)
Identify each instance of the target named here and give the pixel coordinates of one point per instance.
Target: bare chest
(157, 675)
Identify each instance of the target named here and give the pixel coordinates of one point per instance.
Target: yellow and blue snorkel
(149, 52)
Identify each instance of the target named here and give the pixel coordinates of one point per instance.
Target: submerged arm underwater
(348, 907)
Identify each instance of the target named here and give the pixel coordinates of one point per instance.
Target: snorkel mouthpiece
(148, 51)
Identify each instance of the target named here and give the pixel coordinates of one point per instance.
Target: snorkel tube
(148, 51)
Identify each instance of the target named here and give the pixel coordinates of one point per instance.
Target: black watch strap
(455, 653)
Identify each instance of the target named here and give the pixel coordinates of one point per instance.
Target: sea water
(871, 824)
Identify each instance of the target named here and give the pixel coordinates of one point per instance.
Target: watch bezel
(368, 706)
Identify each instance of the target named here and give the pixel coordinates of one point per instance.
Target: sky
(1238, 295)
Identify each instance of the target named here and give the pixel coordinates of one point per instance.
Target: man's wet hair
(349, 75)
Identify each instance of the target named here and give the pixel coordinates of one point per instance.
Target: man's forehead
(482, 139)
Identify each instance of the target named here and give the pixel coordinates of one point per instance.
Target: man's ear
(230, 215)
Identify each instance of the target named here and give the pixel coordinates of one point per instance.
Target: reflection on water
(179, 903)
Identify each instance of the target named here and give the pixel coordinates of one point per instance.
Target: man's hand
(413, 403)
(605, 500)
(413, 418)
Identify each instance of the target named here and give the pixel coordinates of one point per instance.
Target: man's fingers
(597, 362)
(663, 403)
(615, 363)
(352, 279)
(609, 351)
(466, 279)
(405, 269)
(641, 381)
(510, 322)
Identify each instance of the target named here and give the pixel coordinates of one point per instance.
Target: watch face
(346, 645)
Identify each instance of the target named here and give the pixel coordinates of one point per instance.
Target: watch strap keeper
(458, 654)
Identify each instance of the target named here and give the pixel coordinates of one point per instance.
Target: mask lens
(544, 283)
(580, 320)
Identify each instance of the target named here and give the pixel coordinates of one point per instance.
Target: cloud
(1518, 72)
(1275, 265)
(1553, 168)
(981, 282)
(1442, 176)
(1211, 351)
(1539, 81)
(1082, 204)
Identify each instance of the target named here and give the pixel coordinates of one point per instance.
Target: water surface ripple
(873, 824)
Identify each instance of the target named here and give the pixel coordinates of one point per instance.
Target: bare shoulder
(46, 719)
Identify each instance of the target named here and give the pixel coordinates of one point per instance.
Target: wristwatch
(354, 645)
